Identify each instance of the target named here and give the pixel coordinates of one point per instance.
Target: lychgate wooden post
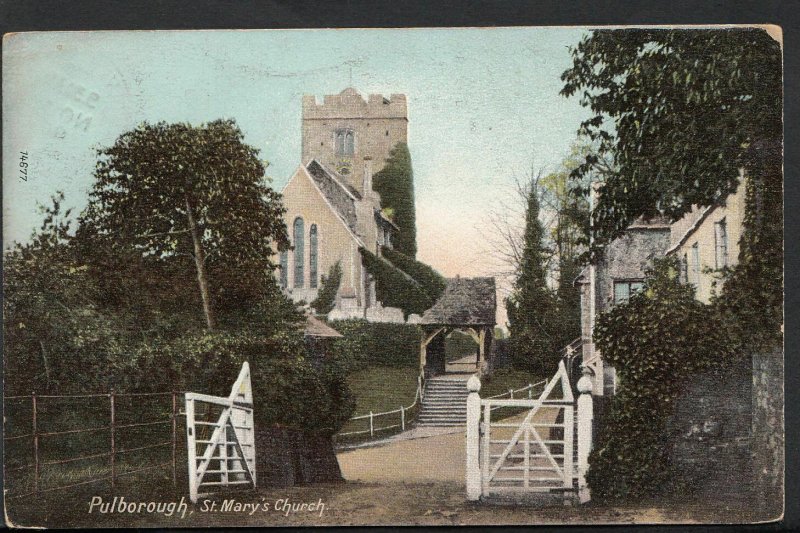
(585, 420)
(473, 439)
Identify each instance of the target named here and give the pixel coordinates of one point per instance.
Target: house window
(693, 275)
(312, 256)
(298, 252)
(624, 289)
(284, 269)
(345, 142)
(721, 243)
(685, 269)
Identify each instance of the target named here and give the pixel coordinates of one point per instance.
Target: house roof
(342, 197)
(465, 302)
(319, 329)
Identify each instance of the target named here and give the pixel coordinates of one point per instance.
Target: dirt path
(440, 458)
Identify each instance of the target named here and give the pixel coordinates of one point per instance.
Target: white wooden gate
(531, 451)
(221, 438)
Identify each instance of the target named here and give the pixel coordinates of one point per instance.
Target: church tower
(345, 130)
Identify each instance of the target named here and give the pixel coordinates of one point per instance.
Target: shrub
(376, 343)
(326, 298)
(287, 389)
(655, 341)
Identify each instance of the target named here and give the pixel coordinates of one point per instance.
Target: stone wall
(709, 433)
(286, 457)
(727, 434)
(768, 434)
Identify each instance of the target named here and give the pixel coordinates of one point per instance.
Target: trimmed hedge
(375, 343)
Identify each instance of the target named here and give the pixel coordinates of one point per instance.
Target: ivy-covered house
(618, 273)
(706, 241)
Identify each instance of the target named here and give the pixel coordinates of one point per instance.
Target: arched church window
(340, 142)
(298, 252)
(312, 256)
(284, 265)
(345, 142)
(349, 143)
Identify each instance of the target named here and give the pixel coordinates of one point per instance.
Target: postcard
(442, 276)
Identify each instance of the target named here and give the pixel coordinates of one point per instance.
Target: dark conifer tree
(530, 305)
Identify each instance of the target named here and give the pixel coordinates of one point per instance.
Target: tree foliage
(679, 112)
(174, 190)
(656, 341)
(395, 184)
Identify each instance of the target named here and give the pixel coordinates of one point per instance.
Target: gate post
(473, 439)
(585, 418)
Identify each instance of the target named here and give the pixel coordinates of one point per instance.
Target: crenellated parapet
(349, 104)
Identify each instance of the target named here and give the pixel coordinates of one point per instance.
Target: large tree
(680, 113)
(531, 303)
(169, 191)
(395, 184)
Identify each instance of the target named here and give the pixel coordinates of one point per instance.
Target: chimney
(367, 175)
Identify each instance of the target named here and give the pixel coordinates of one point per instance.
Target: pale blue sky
(482, 103)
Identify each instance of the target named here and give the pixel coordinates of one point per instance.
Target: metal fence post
(402, 418)
(511, 393)
(35, 443)
(530, 391)
(371, 431)
(174, 438)
(113, 444)
(473, 439)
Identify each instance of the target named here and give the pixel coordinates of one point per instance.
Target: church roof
(340, 195)
(465, 302)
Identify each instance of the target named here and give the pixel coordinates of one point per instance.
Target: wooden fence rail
(36, 435)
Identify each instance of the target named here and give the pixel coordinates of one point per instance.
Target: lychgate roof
(465, 302)
(319, 329)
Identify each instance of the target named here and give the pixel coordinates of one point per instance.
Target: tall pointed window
(299, 252)
(349, 143)
(284, 269)
(312, 256)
